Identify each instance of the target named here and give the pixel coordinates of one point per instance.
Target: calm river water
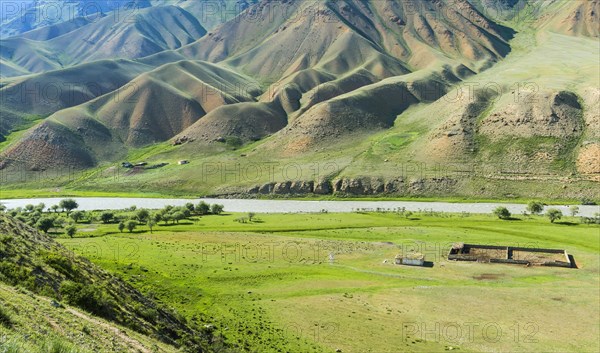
(286, 206)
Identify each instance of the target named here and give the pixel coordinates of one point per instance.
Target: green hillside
(77, 300)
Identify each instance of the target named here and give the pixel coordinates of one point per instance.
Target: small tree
(177, 216)
(151, 224)
(184, 210)
(167, 217)
(553, 214)
(216, 209)
(44, 224)
(251, 216)
(68, 205)
(54, 208)
(59, 222)
(574, 210)
(106, 217)
(71, 230)
(157, 217)
(40, 207)
(2, 208)
(121, 226)
(190, 206)
(29, 207)
(77, 216)
(502, 212)
(535, 207)
(202, 208)
(142, 215)
(131, 226)
(34, 217)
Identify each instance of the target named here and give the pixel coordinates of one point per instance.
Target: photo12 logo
(470, 332)
(269, 171)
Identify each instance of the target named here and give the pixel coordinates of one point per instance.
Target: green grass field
(271, 286)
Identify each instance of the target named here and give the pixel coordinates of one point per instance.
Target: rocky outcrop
(359, 186)
(356, 187)
(323, 187)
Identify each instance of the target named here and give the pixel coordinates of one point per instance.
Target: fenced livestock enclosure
(511, 255)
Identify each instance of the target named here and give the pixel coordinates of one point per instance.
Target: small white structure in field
(412, 259)
(183, 162)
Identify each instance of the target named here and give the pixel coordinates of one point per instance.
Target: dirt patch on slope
(588, 161)
(49, 145)
(580, 18)
(488, 277)
(556, 114)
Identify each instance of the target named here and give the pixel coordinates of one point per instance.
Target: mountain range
(510, 87)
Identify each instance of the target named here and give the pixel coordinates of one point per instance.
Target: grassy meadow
(321, 282)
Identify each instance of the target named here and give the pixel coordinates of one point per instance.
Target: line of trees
(553, 214)
(168, 214)
(44, 219)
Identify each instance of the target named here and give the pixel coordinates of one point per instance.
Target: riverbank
(14, 194)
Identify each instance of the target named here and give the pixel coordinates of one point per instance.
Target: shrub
(6, 319)
(77, 216)
(142, 215)
(554, 214)
(71, 231)
(68, 205)
(502, 212)
(90, 298)
(12, 273)
(44, 224)
(233, 141)
(58, 345)
(216, 209)
(59, 262)
(121, 226)
(151, 223)
(131, 226)
(535, 207)
(149, 314)
(106, 217)
(574, 210)
(177, 216)
(203, 208)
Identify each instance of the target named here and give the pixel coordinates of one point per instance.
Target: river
(287, 206)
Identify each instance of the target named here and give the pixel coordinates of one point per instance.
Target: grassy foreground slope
(32, 324)
(48, 273)
(271, 285)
